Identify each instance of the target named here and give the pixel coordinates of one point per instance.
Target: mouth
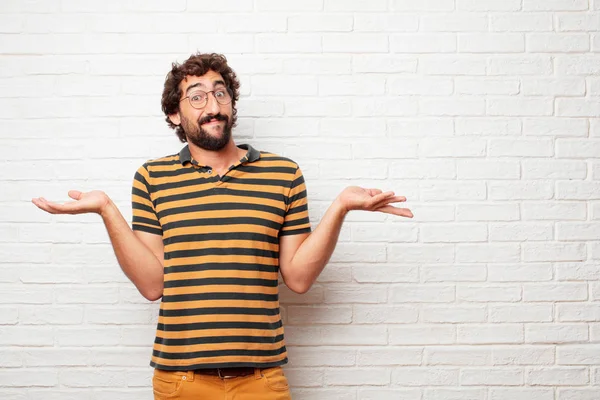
(213, 121)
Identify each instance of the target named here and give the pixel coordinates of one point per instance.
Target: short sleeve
(296, 216)
(145, 217)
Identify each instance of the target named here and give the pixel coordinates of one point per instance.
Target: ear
(175, 118)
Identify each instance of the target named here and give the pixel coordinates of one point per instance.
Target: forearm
(314, 253)
(137, 261)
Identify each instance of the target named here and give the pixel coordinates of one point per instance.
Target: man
(212, 227)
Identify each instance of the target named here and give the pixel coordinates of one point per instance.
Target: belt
(226, 372)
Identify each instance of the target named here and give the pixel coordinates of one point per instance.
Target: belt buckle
(223, 376)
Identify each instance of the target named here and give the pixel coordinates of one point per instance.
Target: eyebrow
(215, 83)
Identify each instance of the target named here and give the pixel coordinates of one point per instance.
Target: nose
(212, 106)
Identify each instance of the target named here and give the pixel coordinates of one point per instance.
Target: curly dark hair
(196, 65)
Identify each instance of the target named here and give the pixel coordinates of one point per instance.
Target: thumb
(75, 194)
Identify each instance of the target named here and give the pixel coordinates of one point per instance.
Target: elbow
(299, 286)
(151, 294)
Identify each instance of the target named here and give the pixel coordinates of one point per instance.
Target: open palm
(89, 202)
(357, 198)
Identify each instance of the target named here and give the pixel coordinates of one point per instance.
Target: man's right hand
(95, 201)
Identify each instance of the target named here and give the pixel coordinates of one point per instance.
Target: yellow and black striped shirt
(220, 305)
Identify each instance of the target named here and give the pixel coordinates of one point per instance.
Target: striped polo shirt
(220, 304)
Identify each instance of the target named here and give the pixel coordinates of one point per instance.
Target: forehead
(207, 80)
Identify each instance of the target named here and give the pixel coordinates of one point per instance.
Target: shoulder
(275, 160)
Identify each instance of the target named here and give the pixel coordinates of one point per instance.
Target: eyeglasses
(199, 98)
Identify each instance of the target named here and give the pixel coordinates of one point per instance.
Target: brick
(385, 274)
(453, 233)
(425, 376)
(521, 394)
(473, 293)
(578, 65)
(577, 394)
(488, 252)
(355, 43)
(360, 5)
(452, 107)
(521, 313)
(491, 43)
(453, 273)
(389, 356)
(557, 43)
(577, 190)
(520, 107)
(322, 356)
(554, 211)
(288, 5)
(523, 355)
(457, 22)
(572, 22)
(488, 126)
(354, 335)
(17, 378)
(423, 43)
(454, 314)
(521, 22)
(520, 65)
(578, 355)
(490, 334)
(520, 232)
(422, 294)
(419, 334)
(555, 5)
(520, 190)
(471, 169)
(432, 253)
(578, 312)
(556, 333)
(553, 87)
(520, 273)
(459, 147)
(382, 314)
(371, 22)
(487, 86)
(554, 252)
(554, 169)
(555, 127)
(458, 355)
(284, 43)
(487, 376)
(451, 65)
(425, 5)
(357, 377)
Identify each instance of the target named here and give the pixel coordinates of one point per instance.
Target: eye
(221, 93)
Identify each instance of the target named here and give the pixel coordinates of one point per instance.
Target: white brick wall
(485, 113)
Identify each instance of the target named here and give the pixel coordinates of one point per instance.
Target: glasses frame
(229, 91)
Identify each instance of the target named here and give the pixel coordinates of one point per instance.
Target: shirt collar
(251, 154)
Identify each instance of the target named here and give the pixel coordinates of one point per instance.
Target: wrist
(106, 207)
(339, 206)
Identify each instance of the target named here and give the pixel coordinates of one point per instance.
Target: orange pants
(265, 384)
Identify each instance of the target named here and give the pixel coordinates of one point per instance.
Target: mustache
(208, 118)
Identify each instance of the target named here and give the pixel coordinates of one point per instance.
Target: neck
(219, 160)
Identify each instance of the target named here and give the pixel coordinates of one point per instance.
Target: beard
(201, 137)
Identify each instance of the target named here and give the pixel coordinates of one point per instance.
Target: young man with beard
(212, 227)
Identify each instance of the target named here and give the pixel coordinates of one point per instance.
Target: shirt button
(209, 171)
(184, 377)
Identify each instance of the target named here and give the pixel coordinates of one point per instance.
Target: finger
(75, 194)
(374, 192)
(55, 208)
(381, 197)
(402, 212)
(389, 200)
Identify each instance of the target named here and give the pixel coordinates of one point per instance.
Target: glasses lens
(223, 96)
(198, 99)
